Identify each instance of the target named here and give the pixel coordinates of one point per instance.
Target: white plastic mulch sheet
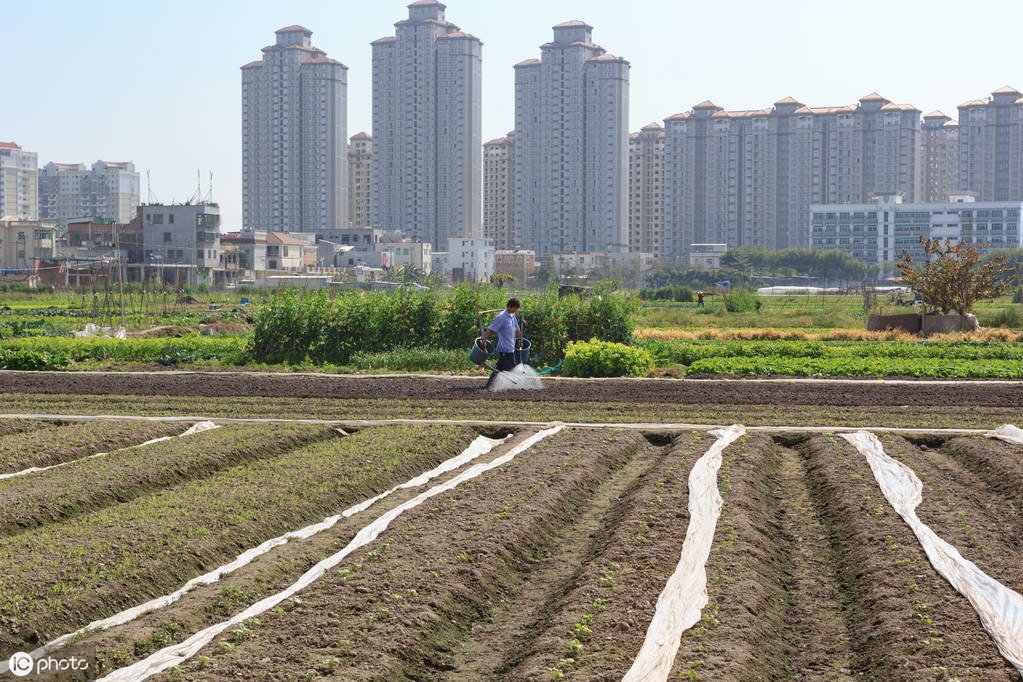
(178, 653)
(197, 428)
(481, 446)
(1008, 433)
(1000, 609)
(685, 594)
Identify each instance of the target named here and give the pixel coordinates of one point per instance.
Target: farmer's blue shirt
(505, 326)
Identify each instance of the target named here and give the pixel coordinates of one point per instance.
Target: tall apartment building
(19, 183)
(939, 149)
(498, 194)
(571, 146)
(109, 191)
(427, 128)
(878, 231)
(294, 135)
(360, 180)
(749, 177)
(991, 146)
(646, 190)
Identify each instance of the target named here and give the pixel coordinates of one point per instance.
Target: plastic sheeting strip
(181, 652)
(1000, 609)
(480, 446)
(1008, 433)
(197, 428)
(685, 594)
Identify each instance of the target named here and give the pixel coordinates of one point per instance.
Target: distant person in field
(699, 299)
(509, 337)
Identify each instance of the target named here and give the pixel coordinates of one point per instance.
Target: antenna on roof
(149, 190)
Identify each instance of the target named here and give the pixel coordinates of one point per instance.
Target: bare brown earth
(224, 384)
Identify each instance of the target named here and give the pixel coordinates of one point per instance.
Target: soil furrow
(986, 527)
(399, 610)
(122, 475)
(906, 621)
(210, 604)
(227, 384)
(57, 578)
(505, 646)
(64, 442)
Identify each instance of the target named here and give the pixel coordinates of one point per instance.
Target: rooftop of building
(528, 62)
(293, 28)
(873, 97)
(1007, 90)
(495, 141)
(936, 114)
(361, 136)
(385, 39)
(282, 238)
(9, 145)
(253, 65)
(574, 23)
(789, 100)
(458, 34)
(653, 126)
(608, 58)
(427, 3)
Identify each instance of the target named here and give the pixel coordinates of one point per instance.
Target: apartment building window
(167, 237)
(170, 218)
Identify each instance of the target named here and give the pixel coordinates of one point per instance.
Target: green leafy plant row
(56, 352)
(853, 366)
(688, 352)
(595, 358)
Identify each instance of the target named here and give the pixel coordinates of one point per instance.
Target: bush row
(324, 326)
(677, 293)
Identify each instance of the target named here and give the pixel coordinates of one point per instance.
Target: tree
(953, 277)
(499, 279)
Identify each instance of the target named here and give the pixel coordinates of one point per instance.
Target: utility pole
(120, 275)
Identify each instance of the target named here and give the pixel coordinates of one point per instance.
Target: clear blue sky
(158, 83)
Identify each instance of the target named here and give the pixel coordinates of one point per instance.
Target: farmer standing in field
(699, 299)
(509, 337)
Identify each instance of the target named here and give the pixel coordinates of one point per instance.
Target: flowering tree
(952, 276)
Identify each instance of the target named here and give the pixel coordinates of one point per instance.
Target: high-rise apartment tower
(360, 180)
(991, 146)
(427, 128)
(940, 157)
(498, 194)
(294, 134)
(749, 177)
(571, 146)
(108, 191)
(19, 183)
(646, 190)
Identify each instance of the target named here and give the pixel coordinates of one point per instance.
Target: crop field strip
(64, 575)
(123, 475)
(437, 569)
(578, 595)
(58, 443)
(947, 415)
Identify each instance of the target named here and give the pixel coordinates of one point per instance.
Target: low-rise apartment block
(182, 234)
(880, 230)
(109, 190)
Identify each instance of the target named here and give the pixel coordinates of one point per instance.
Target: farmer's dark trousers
(505, 361)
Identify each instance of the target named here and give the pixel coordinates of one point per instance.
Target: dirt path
(224, 384)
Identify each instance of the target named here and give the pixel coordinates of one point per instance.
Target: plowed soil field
(457, 552)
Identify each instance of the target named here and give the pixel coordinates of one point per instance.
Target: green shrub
(595, 358)
(323, 328)
(743, 301)
(677, 293)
